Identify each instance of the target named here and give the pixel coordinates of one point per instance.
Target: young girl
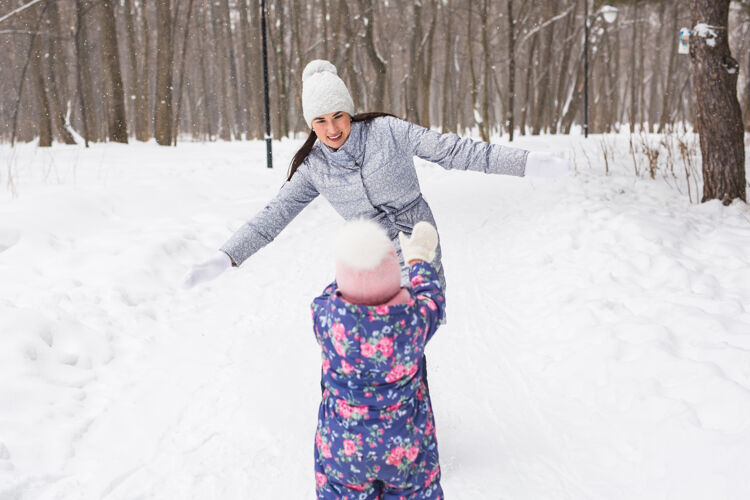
(376, 432)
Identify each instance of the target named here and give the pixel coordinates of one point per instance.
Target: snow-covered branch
(27, 32)
(545, 24)
(19, 9)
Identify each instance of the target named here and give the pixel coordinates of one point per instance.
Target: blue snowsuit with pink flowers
(376, 431)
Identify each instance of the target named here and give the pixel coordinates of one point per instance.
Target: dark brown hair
(302, 153)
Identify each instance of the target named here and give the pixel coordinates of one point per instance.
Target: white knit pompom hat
(367, 267)
(323, 91)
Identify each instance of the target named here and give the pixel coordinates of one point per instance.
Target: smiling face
(332, 128)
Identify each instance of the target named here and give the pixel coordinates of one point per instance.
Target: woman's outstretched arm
(258, 231)
(269, 222)
(453, 152)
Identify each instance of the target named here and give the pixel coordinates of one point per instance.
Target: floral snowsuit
(376, 432)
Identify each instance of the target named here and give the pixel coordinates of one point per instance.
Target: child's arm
(428, 296)
(418, 250)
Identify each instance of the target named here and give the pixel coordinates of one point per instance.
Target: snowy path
(597, 345)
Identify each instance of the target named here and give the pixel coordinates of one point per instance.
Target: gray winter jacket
(373, 176)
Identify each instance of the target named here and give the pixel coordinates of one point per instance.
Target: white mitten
(207, 270)
(546, 165)
(421, 244)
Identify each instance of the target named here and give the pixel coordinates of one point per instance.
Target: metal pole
(586, 69)
(269, 155)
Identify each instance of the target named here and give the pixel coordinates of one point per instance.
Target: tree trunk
(642, 111)
(378, 64)
(474, 83)
(511, 70)
(563, 79)
(546, 62)
(38, 83)
(486, 66)
(117, 125)
(656, 72)
(83, 72)
(135, 75)
(426, 65)
(163, 111)
(225, 115)
(298, 34)
(247, 87)
(633, 69)
(277, 37)
(257, 75)
(447, 104)
(576, 96)
(58, 70)
(206, 94)
(610, 97)
(324, 19)
(145, 113)
(715, 74)
(412, 87)
(234, 89)
(528, 92)
(336, 34)
(664, 117)
(185, 40)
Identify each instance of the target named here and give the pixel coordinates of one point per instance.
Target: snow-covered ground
(598, 342)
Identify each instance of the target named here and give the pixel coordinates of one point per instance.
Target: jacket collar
(351, 153)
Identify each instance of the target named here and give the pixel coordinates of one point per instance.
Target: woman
(363, 164)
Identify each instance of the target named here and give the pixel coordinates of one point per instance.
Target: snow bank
(597, 344)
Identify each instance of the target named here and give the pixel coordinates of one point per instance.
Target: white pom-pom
(318, 66)
(362, 244)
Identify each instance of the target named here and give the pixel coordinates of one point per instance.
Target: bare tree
(39, 85)
(666, 94)
(386, 52)
(542, 106)
(83, 71)
(719, 117)
(567, 42)
(57, 70)
(487, 67)
(234, 89)
(33, 47)
(378, 64)
(141, 113)
(163, 107)
(447, 115)
(528, 102)
(185, 39)
(225, 116)
(633, 69)
(509, 123)
(118, 126)
(249, 84)
(474, 83)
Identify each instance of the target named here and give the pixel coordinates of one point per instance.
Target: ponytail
(302, 153)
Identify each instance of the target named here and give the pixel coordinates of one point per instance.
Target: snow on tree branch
(708, 32)
(19, 9)
(545, 24)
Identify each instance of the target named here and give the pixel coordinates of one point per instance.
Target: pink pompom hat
(367, 267)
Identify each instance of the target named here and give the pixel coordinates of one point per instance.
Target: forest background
(105, 70)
